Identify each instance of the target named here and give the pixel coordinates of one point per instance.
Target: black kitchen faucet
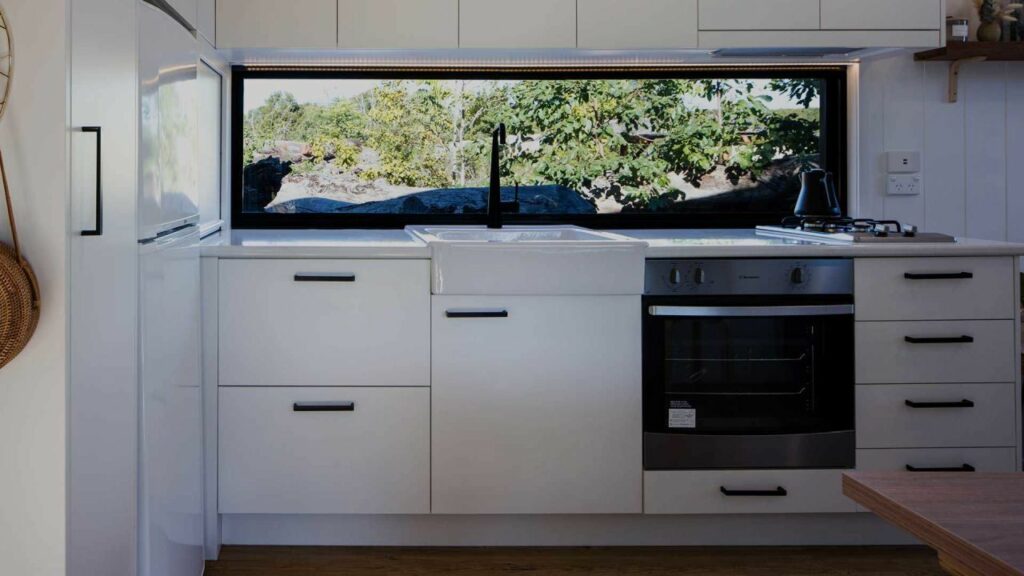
(495, 207)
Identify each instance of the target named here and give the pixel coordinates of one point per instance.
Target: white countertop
(686, 243)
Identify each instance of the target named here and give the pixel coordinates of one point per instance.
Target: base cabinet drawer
(936, 415)
(939, 351)
(745, 492)
(324, 322)
(934, 288)
(938, 460)
(324, 451)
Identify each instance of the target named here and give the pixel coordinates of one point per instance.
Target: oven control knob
(675, 277)
(798, 275)
(698, 276)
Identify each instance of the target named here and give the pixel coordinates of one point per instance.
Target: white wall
(32, 387)
(972, 150)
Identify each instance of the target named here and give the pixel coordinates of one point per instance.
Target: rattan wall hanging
(19, 289)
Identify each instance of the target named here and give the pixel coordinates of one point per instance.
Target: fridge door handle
(98, 229)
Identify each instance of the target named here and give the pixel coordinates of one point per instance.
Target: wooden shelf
(959, 53)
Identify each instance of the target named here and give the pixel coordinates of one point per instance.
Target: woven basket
(19, 304)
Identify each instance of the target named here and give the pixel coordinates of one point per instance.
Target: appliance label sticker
(681, 415)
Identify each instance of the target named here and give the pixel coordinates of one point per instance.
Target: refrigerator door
(168, 64)
(170, 492)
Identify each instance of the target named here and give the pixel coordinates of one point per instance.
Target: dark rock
(262, 181)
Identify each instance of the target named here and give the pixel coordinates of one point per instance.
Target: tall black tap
(494, 208)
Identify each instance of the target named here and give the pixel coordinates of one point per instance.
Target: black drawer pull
(961, 404)
(939, 276)
(964, 468)
(325, 277)
(780, 491)
(943, 340)
(98, 229)
(476, 314)
(324, 407)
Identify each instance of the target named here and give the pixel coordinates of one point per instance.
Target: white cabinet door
(188, 9)
(759, 15)
(637, 24)
(881, 14)
(207, 23)
(396, 24)
(324, 323)
(539, 411)
(276, 24)
(324, 450)
(519, 24)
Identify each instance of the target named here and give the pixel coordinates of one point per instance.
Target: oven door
(730, 385)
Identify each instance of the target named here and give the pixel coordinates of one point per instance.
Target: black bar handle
(965, 403)
(964, 468)
(478, 314)
(324, 407)
(941, 340)
(780, 491)
(939, 276)
(325, 277)
(98, 230)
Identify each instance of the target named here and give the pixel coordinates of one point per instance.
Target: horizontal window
(661, 147)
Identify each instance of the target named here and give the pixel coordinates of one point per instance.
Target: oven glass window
(772, 375)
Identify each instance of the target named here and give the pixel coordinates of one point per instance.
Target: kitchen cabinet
(398, 24)
(923, 459)
(521, 24)
(536, 405)
(324, 323)
(187, 9)
(728, 492)
(275, 24)
(881, 14)
(637, 24)
(324, 451)
(207, 20)
(762, 15)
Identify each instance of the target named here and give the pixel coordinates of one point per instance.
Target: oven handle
(751, 311)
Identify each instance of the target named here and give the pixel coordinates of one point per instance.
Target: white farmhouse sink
(534, 260)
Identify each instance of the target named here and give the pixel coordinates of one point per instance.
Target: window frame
(834, 142)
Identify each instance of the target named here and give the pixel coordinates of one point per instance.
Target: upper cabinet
(760, 15)
(881, 14)
(207, 21)
(188, 9)
(520, 24)
(398, 24)
(636, 24)
(308, 24)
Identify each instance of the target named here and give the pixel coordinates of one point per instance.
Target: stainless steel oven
(748, 364)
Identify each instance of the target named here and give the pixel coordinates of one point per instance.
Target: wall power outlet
(904, 184)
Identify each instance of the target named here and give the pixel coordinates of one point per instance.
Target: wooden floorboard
(705, 561)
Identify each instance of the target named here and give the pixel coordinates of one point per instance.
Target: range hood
(779, 52)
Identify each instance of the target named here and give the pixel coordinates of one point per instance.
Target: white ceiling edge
(523, 58)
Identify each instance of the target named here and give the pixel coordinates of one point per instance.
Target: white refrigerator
(170, 422)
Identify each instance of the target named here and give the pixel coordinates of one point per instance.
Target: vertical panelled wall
(972, 150)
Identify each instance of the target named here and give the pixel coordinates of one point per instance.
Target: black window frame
(834, 142)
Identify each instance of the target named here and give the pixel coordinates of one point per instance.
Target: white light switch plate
(905, 185)
(904, 162)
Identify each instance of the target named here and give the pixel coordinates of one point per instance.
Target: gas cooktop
(851, 231)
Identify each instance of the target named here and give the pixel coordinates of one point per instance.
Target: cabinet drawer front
(934, 288)
(940, 419)
(520, 24)
(938, 459)
(881, 14)
(701, 492)
(637, 24)
(324, 323)
(761, 15)
(398, 24)
(272, 24)
(324, 450)
(927, 352)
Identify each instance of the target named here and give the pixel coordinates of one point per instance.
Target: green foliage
(624, 140)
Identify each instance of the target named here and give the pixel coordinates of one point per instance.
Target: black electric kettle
(818, 197)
